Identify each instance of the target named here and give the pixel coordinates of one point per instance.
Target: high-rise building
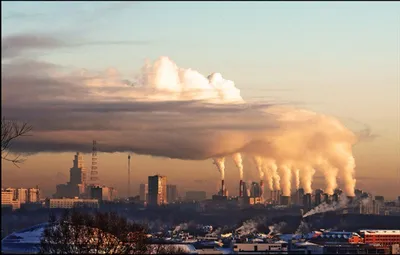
(172, 193)
(102, 193)
(143, 192)
(22, 195)
(7, 199)
(78, 171)
(196, 195)
(33, 195)
(76, 186)
(157, 192)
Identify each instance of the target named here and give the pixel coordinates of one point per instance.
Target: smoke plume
(286, 174)
(325, 207)
(297, 178)
(172, 112)
(220, 163)
(237, 157)
(259, 164)
(306, 179)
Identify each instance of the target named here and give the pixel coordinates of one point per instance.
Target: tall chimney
(272, 195)
(223, 187)
(240, 188)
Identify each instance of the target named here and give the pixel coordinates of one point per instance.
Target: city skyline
(299, 53)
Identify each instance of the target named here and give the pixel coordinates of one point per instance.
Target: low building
(338, 238)
(381, 237)
(245, 248)
(72, 203)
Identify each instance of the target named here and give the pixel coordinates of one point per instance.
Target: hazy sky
(331, 57)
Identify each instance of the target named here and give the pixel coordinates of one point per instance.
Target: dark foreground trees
(98, 233)
(11, 130)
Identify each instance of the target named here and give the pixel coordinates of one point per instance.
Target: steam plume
(259, 164)
(237, 157)
(273, 177)
(325, 207)
(286, 179)
(220, 163)
(297, 178)
(178, 113)
(306, 179)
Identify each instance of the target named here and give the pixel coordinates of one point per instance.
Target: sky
(335, 58)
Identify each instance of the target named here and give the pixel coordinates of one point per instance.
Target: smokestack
(223, 187)
(272, 195)
(240, 188)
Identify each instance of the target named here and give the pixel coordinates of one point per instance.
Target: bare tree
(11, 130)
(93, 233)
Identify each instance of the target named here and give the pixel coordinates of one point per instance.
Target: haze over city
(106, 71)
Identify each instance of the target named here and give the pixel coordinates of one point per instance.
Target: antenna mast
(94, 173)
(129, 176)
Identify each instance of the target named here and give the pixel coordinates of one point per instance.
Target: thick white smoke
(325, 207)
(259, 164)
(306, 179)
(286, 174)
(237, 157)
(297, 178)
(179, 113)
(220, 163)
(248, 227)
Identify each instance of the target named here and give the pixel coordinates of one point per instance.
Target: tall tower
(94, 179)
(129, 176)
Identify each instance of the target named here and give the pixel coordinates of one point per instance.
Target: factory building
(157, 190)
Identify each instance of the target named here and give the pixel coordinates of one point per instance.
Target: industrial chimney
(241, 188)
(261, 188)
(223, 187)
